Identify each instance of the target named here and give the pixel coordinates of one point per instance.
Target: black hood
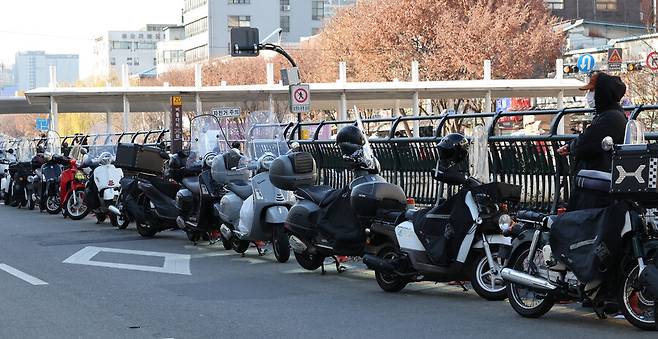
(609, 92)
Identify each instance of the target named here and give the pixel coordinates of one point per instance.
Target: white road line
(22, 275)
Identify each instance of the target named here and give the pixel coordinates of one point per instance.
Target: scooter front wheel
(280, 244)
(77, 209)
(638, 305)
(525, 301)
(52, 205)
(486, 281)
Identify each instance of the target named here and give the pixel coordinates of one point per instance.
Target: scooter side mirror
(607, 143)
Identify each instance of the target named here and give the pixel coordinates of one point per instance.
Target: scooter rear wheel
(389, 282)
(309, 261)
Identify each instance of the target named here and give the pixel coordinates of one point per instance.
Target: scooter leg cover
(246, 215)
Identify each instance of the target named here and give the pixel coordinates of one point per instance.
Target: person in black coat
(604, 93)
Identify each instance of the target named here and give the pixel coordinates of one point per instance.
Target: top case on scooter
(441, 229)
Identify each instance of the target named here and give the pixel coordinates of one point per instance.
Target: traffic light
(569, 69)
(634, 66)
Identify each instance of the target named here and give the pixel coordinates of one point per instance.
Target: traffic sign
(615, 59)
(42, 124)
(226, 112)
(652, 61)
(300, 98)
(586, 63)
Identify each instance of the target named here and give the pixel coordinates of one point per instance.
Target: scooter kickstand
(260, 252)
(461, 283)
(339, 268)
(323, 271)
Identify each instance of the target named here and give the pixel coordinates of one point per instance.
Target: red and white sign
(652, 61)
(300, 98)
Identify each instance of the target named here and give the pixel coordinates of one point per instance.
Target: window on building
(157, 36)
(315, 30)
(196, 27)
(239, 21)
(554, 4)
(285, 23)
(285, 5)
(136, 61)
(317, 10)
(132, 36)
(236, 2)
(145, 45)
(149, 36)
(120, 44)
(192, 4)
(197, 54)
(124, 36)
(606, 5)
(141, 36)
(129, 61)
(155, 61)
(113, 61)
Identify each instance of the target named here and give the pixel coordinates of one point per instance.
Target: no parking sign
(652, 61)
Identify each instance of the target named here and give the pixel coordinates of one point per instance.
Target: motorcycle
(102, 191)
(197, 195)
(49, 173)
(7, 158)
(595, 255)
(327, 222)
(255, 210)
(457, 239)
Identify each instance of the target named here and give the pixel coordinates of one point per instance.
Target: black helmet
(453, 149)
(350, 139)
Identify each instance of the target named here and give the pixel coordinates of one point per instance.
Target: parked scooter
(49, 179)
(72, 186)
(457, 239)
(327, 222)
(255, 210)
(102, 191)
(6, 159)
(197, 195)
(20, 172)
(598, 254)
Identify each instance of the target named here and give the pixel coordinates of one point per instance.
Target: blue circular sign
(586, 63)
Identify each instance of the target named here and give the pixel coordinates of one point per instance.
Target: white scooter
(102, 193)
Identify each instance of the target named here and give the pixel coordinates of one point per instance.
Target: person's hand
(563, 151)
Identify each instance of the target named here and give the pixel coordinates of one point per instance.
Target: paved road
(223, 295)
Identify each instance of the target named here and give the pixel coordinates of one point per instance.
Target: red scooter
(72, 189)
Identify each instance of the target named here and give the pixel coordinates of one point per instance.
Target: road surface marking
(22, 275)
(173, 263)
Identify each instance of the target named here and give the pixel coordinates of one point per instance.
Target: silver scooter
(254, 211)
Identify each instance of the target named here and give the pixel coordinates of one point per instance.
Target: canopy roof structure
(323, 95)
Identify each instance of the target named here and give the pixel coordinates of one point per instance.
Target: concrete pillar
(396, 108)
(560, 105)
(487, 102)
(126, 114)
(54, 111)
(487, 70)
(53, 114)
(342, 112)
(342, 72)
(559, 69)
(416, 101)
(108, 122)
(270, 73)
(198, 83)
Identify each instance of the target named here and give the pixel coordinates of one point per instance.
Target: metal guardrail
(526, 160)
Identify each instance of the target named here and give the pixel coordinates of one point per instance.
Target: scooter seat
(192, 184)
(241, 189)
(530, 216)
(594, 180)
(316, 194)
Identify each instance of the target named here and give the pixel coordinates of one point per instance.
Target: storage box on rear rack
(634, 172)
(139, 158)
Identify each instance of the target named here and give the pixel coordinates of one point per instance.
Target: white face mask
(590, 99)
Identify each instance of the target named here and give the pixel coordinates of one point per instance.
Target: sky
(69, 26)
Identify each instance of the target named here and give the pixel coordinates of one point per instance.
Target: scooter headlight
(79, 176)
(505, 222)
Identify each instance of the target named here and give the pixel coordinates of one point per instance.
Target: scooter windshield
(24, 152)
(265, 135)
(53, 143)
(206, 136)
(634, 132)
(368, 154)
